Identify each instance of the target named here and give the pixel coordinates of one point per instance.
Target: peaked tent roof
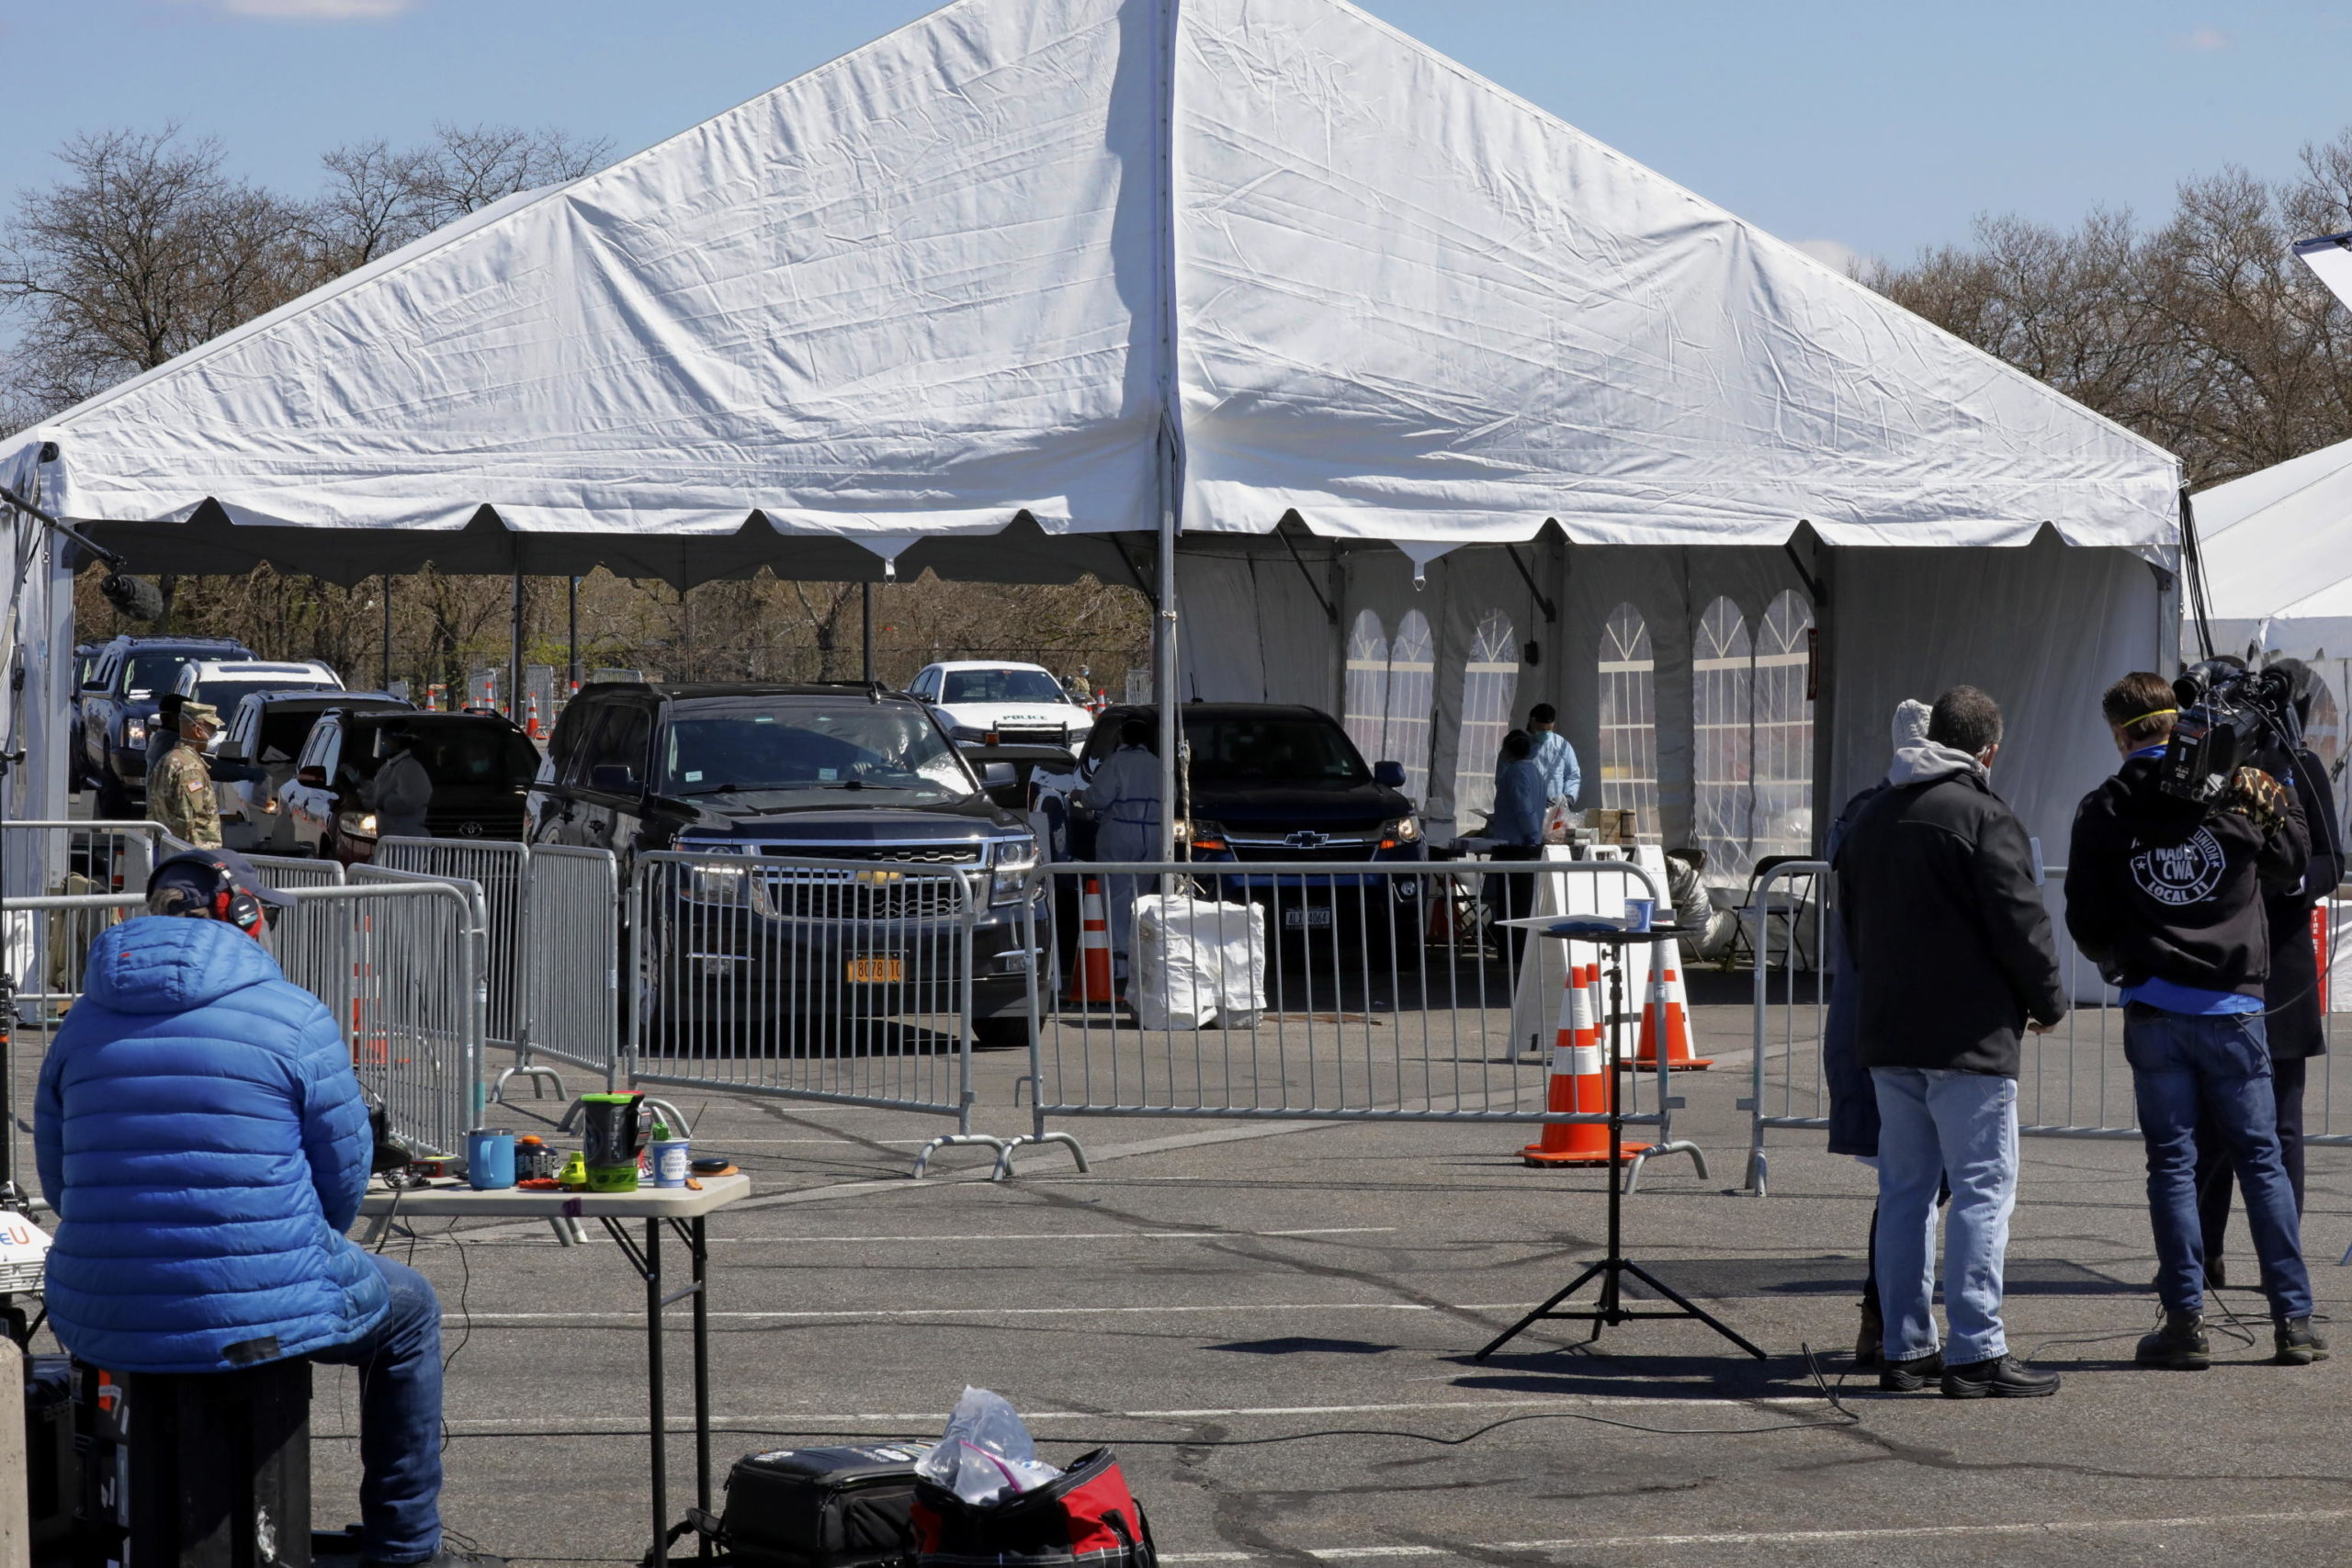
(1013, 257)
(2277, 552)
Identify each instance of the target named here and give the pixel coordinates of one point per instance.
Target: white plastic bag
(1193, 958)
(985, 1452)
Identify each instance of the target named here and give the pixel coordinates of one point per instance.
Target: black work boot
(2178, 1345)
(1910, 1377)
(2297, 1346)
(2003, 1376)
(1870, 1341)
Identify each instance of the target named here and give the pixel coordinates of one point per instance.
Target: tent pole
(866, 623)
(388, 631)
(514, 655)
(1172, 451)
(572, 633)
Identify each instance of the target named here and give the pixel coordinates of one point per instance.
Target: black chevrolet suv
(861, 779)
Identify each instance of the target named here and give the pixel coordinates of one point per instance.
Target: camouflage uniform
(179, 790)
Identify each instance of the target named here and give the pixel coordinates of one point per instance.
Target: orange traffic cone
(1667, 1011)
(1090, 978)
(531, 716)
(1579, 1082)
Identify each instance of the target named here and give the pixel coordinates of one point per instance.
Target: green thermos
(612, 1134)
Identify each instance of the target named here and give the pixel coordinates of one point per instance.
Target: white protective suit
(1126, 799)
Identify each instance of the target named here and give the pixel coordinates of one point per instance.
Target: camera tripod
(1613, 1266)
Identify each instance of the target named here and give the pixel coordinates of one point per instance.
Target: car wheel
(114, 803)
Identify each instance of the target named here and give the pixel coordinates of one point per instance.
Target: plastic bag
(1196, 959)
(985, 1452)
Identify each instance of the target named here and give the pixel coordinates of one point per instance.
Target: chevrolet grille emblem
(880, 878)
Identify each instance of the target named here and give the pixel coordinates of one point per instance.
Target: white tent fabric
(1034, 256)
(2277, 551)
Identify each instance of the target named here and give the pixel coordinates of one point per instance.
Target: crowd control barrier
(1303, 989)
(850, 982)
(2073, 1082)
(396, 964)
(553, 947)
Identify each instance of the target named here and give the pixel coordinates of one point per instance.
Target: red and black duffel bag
(1085, 1516)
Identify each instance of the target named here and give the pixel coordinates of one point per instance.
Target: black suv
(1277, 782)
(118, 709)
(823, 772)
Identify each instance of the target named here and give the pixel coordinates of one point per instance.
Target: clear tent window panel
(1412, 695)
(1366, 697)
(1723, 682)
(1782, 820)
(1489, 683)
(1629, 718)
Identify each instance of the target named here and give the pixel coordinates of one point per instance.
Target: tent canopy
(2278, 548)
(1085, 264)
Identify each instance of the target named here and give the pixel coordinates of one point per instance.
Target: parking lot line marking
(807, 1420)
(845, 1313)
(1774, 1537)
(1069, 1236)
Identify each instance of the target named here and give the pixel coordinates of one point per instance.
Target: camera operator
(2163, 891)
(2292, 995)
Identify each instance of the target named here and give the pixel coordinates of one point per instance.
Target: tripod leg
(1516, 1329)
(1679, 1299)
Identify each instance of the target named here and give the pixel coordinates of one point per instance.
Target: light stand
(1613, 1266)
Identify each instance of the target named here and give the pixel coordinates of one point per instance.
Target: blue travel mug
(490, 1159)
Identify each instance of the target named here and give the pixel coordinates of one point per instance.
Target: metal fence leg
(538, 1076)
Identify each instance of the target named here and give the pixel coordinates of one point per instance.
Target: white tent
(1027, 281)
(2277, 552)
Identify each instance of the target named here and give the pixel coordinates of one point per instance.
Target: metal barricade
(2073, 1082)
(1307, 990)
(848, 982)
(69, 857)
(554, 945)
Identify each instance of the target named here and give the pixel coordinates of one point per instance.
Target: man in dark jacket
(2165, 896)
(2293, 1018)
(200, 1134)
(1952, 951)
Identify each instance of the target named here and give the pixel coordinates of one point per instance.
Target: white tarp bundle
(2278, 549)
(1024, 255)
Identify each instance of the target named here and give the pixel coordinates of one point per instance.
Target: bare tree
(147, 249)
(379, 197)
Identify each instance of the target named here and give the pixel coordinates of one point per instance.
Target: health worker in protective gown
(1126, 799)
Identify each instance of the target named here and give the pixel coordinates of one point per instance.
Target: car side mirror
(998, 776)
(612, 778)
(1388, 776)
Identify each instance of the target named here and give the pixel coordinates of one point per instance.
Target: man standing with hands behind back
(1953, 957)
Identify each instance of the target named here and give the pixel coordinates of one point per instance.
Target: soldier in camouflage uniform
(179, 794)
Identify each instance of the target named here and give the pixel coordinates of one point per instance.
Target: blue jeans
(1937, 1126)
(2183, 1065)
(399, 1419)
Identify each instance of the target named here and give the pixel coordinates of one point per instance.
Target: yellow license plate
(875, 971)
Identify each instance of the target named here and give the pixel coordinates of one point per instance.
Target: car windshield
(150, 672)
(1272, 750)
(1002, 686)
(744, 750)
(223, 690)
(454, 754)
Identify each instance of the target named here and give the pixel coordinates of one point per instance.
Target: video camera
(2229, 718)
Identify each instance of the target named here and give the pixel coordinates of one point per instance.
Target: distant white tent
(2277, 551)
(1019, 286)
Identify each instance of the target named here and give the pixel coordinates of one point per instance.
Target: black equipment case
(845, 1507)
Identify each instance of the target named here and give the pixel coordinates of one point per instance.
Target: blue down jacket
(202, 1138)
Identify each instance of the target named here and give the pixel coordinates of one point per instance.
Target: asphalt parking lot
(1273, 1324)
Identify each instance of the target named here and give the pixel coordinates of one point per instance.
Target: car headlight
(713, 881)
(133, 733)
(1015, 859)
(1403, 831)
(357, 824)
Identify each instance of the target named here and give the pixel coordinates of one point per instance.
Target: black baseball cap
(229, 862)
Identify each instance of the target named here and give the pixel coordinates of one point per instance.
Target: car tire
(114, 803)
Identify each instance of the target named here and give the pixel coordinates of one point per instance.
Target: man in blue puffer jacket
(204, 1141)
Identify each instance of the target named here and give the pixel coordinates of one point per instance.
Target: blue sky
(1880, 127)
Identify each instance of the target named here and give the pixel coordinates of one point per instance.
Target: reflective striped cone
(1667, 1011)
(531, 716)
(1090, 978)
(1579, 1081)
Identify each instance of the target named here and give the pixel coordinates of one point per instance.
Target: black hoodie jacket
(1952, 945)
(2165, 889)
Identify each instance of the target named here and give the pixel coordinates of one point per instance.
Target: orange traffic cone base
(1539, 1156)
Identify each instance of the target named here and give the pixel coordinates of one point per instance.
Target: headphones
(224, 899)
